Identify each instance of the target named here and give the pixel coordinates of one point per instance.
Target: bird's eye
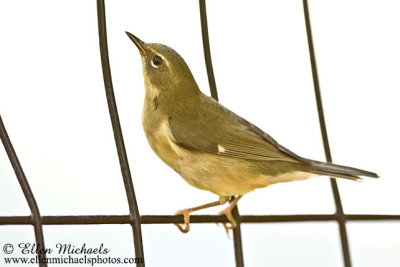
(157, 61)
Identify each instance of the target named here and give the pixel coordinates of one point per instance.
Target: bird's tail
(339, 171)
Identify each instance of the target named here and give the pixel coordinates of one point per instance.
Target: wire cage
(135, 219)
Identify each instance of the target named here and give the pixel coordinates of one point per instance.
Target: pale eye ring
(157, 61)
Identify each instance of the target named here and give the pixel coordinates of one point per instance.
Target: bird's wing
(219, 131)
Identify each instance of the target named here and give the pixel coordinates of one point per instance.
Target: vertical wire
(119, 141)
(339, 208)
(206, 48)
(36, 219)
(237, 236)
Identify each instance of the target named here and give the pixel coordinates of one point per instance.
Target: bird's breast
(160, 137)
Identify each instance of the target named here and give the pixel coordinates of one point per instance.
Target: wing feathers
(255, 152)
(219, 131)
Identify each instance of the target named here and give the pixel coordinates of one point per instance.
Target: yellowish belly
(224, 176)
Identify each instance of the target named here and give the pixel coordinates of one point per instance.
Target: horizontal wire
(169, 219)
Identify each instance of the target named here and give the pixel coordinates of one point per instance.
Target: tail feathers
(338, 171)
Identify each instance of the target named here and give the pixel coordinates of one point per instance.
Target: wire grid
(134, 218)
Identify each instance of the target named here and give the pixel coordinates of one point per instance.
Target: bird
(211, 147)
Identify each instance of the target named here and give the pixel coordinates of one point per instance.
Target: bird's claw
(228, 213)
(186, 215)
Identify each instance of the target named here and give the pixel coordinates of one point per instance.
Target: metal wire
(237, 236)
(206, 48)
(324, 133)
(35, 219)
(172, 219)
(119, 140)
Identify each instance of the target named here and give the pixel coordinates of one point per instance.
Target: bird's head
(165, 72)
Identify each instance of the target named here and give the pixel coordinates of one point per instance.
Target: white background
(53, 104)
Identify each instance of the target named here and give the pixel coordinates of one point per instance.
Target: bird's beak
(139, 43)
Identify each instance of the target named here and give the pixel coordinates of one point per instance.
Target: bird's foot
(186, 215)
(186, 219)
(228, 213)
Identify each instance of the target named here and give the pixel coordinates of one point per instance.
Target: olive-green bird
(211, 147)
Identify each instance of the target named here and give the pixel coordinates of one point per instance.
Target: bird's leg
(186, 214)
(228, 213)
